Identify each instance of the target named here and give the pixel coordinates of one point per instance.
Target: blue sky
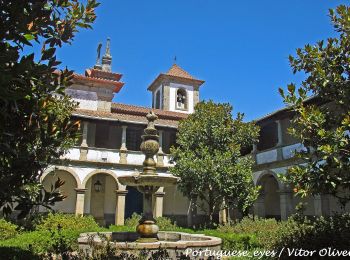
(240, 48)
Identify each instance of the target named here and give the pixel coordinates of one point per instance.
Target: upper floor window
(268, 136)
(181, 99)
(133, 138)
(157, 103)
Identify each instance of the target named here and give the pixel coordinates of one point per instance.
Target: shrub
(162, 222)
(42, 242)
(133, 221)
(68, 221)
(264, 231)
(7, 229)
(323, 232)
(15, 253)
(38, 241)
(233, 241)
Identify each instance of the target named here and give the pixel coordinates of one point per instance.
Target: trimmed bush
(323, 232)
(68, 221)
(15, 253)
(7, 229)
(264, 231)
(163, 222)
(233, 241)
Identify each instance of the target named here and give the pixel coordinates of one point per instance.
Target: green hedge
(67, 221)
(316, 234)
(54, 233)
(7, 229)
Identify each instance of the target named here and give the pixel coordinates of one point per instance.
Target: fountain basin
(176, 243)
(148, 180)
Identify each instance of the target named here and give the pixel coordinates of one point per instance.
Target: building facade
(110, 148)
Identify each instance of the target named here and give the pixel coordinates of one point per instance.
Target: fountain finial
(150, 145)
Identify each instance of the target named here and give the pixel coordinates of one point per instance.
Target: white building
(110, 147)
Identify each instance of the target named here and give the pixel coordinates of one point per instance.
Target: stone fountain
(148, 236)
(148, 181)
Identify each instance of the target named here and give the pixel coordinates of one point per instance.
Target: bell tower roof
(175, 74)
(176, 71)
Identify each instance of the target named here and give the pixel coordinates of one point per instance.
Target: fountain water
(148, 236)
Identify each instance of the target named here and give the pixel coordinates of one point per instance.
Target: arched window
(157, 105)
(181, 99)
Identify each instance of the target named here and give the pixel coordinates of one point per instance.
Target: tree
(322, 113)
(35, 128)
(208, 158)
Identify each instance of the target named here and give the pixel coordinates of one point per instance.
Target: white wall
(68, 204)
(172, 99)
(161, 96)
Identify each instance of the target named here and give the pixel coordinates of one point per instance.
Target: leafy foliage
(7, 229)
(322, 123)
(208, 158)
(35, 127)
(324, 232)
(67, 222)
(56, 234)
(162, 222)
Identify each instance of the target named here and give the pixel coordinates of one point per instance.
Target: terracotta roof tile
(123, 117)
(117, 85)
(142, 111)
(177, 74)
(176, 71)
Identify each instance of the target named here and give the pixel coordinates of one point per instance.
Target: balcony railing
(94, 154)
(277, 153)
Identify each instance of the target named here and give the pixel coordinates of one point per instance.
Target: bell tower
(175, 90)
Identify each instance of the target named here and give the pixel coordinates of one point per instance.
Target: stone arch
(101, 203)
(181, 99)
(269, 197)
(68, 189)
(281, 186)
(62, 168)
(108, 172)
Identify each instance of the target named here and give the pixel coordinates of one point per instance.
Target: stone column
(84, 145)
(123, 149)
(79, 204)
(158, 203)
(254, 152)
(192, 212)
(286, 204)
(166, 96)
(120, 207)
(259, 206)
(318, 205)
(280, 141)
(160, 154)
(223, 213)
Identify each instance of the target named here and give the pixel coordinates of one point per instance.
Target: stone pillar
(318, 205)
(223, 216)
(286, 204)
(259, 206)
(195, 96)
(254, 152)
(120, 207)
(84, 145)
(123, 153)
(192, 212)
(158, 203)
(166, 96)
(79, 204)
(160, 154)
(280, 141)
(91, 134)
